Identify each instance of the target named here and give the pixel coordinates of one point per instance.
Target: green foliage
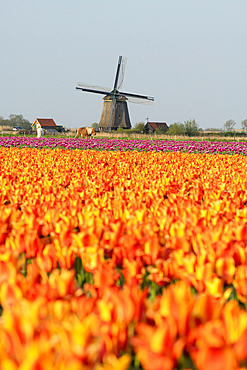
(95, 125)
(176, 128)
(82, 276)
(121, 281)
(185, 362)
(4, 122)
(16, 120)
(191, 127)
(139, 127)
(120, 129)
(162, 131)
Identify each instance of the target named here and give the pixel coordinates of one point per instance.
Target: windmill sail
(136, 98)
(92, 87)
(122, 72)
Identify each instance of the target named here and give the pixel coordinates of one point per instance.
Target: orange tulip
(111, 362)
(240, 283)
(10, 294)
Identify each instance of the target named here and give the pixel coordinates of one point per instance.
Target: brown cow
(88, 131)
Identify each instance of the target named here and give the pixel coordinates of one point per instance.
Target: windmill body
(115, 112)
(120, 114)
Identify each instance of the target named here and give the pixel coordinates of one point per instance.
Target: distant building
(44, 122)
(154, 126)
(48, 124)
(239, 130)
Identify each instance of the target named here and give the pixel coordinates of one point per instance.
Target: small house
(151, 127)
(46, 123)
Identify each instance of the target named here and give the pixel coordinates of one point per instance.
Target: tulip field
(129, 256)
(202, 147)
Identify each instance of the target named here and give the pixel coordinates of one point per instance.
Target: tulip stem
(82, 276)
(136, 363)
(153, 291)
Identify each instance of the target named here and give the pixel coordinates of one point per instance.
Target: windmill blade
(122, 72)
(91, 91)
(137, 98)
(136, 95)
(118, 72)
(140, 101)
(92, 88)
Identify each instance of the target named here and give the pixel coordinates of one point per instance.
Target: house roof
(45, 122)
(157, 125)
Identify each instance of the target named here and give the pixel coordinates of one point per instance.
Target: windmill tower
(115, 110)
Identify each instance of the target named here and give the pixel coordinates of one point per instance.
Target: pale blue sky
(190, 55)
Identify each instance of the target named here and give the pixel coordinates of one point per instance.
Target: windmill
(115, 110)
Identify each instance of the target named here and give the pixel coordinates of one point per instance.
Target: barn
(48, 124)
(151, 127)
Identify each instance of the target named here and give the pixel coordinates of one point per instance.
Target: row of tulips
(128, 145)
(113, 260)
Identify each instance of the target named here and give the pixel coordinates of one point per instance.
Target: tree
(228, 126)
(95, 125)
(3, 122)
(244, 124)
(15, 120)
(176, 128)
(162, 131)
(139, 127)
(18, 120)
(191, 127)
